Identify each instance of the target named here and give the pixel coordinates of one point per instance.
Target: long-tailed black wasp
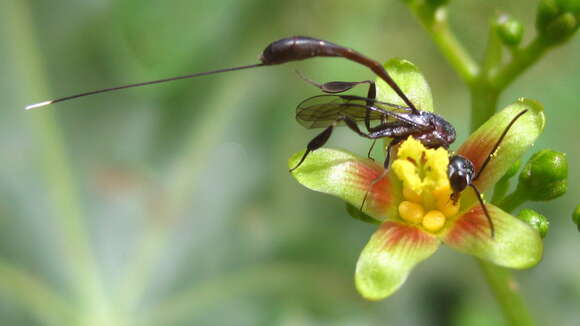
(395, 122)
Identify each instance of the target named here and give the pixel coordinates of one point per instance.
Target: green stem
(507, 294)
(522, 60)
(512, 201)
(436, 24)
(483, 102)
(500, 190)
(494, 50)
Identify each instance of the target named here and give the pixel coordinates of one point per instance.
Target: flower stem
(436, 24)
(506, 291)
(483, 102)
(522, 60)
(512, 201)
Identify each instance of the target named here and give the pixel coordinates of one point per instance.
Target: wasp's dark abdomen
(298, 48)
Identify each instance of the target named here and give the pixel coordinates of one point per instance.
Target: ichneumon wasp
(328, 111)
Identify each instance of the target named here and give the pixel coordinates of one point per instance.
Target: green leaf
(515, 243)
(386, 261)
(344, 175)
(410, 80)
(520, 137)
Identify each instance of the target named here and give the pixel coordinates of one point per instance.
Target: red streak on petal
(363, 175)
(472, 224)
(478, 149)
(401, 235)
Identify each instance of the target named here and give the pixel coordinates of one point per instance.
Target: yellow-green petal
(520, 137)
(515, 243)
(349, 177)
(386, 261)
(410, 80)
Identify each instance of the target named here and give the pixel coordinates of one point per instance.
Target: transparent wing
(323, 110)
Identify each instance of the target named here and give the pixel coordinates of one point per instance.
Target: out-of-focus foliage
(183, 188)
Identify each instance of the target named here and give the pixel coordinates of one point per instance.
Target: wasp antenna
(496, 146)
(485, 211)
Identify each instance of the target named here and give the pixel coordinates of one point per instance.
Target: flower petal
(518, 140)
(411, 82)
(514, 245)
(349, 177)
(393, 250)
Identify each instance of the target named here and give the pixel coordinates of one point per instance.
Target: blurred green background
(173, 205)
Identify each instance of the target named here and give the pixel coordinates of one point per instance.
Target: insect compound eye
(458, 181)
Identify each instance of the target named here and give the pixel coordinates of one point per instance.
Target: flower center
(426, 188)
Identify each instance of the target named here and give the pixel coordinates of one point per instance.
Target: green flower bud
(557, 20)
(562, 28)
(356, 213)
(576, 217)
(509, 30)
(545, 176)
(548, 11)
(536, 220)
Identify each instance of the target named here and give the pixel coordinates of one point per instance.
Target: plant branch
(522, 59)
(507, 294)
(436, 24)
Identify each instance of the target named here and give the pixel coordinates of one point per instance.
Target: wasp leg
(333, 87)
(371, 96)
(323, 137)
(316, 143)
(394, 142)
(371, 149)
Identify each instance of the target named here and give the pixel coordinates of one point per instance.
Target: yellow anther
(442, 192)
(433, 221)
(444, 202)
(411, 195)
(411, 212)
(448, 208)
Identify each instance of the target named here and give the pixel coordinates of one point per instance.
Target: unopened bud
(558, 20)
(536, 220)
(545, 176)
(576, 217)
(509, 30)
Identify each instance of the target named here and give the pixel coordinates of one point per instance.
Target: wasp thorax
(460, 172)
